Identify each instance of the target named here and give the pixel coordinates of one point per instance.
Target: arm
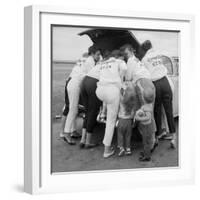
(139, 91)
(132, 66)
(88, 65)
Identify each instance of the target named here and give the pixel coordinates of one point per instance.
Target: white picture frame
(37, 161)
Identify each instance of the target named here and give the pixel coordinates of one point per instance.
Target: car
(110, 39)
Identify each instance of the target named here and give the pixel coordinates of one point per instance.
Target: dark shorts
(91, 102)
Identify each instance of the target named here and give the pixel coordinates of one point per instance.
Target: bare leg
(83, 138)
(173, 141)
(88, 138)
(63, 120)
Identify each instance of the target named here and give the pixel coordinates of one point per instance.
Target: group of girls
(132, 92)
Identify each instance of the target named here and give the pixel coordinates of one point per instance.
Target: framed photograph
(107, 101)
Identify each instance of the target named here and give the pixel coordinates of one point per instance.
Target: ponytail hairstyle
(116, 53)
(146, 45)
(106, 54)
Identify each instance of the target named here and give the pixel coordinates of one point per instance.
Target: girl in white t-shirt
(75, 69)
(158, 71)
(112, 71)
(73, 89)
(135, 68)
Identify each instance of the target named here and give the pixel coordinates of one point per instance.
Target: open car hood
(110, 39)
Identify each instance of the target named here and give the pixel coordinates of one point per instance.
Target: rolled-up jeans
(73, 89)
(110, 94)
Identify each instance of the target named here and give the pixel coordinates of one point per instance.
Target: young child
(128, 101)
(145, 117)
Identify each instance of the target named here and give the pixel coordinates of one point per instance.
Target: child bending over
(145, 117)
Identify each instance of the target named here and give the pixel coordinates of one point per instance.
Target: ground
(67, 158)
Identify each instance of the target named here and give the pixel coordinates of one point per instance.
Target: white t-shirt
(136, 70)
(95, 71)
(112, 70)
(88, 65)
(154, 64)
(82, 67)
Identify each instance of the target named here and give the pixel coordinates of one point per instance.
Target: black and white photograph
(114, 98)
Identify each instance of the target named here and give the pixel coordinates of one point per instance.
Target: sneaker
(128, 151)
(168, 136)
(81, 145)
(121, 152)
(162, 135)
(61, 135)
(173, 144)
(68, 140)
(75, 135)
(107, 155)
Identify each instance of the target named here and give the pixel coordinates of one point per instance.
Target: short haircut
(146, 45)
(93, 49)
(116, 53)
(130, 98)
(106, 53)
(127, 46)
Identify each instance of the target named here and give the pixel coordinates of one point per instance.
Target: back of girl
(108, 91)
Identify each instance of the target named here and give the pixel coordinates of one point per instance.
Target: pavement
(66, 158)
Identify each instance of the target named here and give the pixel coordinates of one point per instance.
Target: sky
(68, 45)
